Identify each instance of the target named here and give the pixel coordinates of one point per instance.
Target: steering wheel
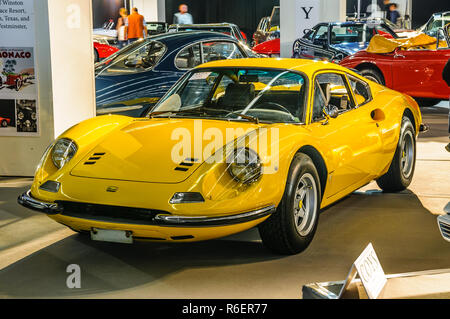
(276, 105)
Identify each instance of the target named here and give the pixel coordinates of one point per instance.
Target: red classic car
(416, 71)
(102, 48)
(4, 122)
(270, 48)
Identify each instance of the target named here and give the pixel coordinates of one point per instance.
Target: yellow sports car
(233, 145)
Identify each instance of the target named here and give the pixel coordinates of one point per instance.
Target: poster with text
(18, 86)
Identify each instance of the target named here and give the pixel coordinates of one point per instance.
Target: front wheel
(291, 228)
(4, 123)
(401, 171)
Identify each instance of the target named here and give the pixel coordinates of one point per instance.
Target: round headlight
(63, 151)
(245, 166)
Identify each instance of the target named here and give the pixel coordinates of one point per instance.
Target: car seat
(237, 96)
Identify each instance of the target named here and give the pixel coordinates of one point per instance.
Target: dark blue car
(337, 40)
(136, 77)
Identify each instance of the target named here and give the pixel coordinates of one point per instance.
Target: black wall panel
(245, 13)
(103, 10)
(422, 10)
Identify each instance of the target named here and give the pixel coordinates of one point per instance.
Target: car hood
(350, 48)
(142, 151)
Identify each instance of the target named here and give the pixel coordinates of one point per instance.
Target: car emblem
(112, 189)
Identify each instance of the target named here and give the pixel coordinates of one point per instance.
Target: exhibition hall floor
(35, 251)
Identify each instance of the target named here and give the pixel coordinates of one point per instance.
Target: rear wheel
(373, 75)
(427, 102)
(401, 171)
(291, 228)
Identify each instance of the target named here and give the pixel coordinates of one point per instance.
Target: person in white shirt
(122, 28)
(183, 17)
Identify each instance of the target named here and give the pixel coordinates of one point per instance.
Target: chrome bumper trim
(444, 226)
(171, 220)
(28, 201)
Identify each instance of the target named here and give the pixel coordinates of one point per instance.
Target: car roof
(203, 25)
(188, 36)
(304, 65)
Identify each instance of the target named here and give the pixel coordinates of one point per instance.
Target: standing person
(122, 28)
(393, 14)
(136, 26)
(385, 8)
(183, 17)
(446, 77)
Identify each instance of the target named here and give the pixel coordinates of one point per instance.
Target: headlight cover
(63, 151)
(245, 166)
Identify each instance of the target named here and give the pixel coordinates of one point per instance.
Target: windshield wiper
(202, 109)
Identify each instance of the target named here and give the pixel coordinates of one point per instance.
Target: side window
(361, 90)
(319, 103)
(331, 90)
(198, 87)
(188, 58)
(321, 36)
(213, 51)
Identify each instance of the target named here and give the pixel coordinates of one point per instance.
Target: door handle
(397, 56)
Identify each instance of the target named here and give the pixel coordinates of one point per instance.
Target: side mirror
(331, 111)
(306, 31)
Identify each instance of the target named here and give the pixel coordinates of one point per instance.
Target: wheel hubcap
(305, 205)
(407, 155)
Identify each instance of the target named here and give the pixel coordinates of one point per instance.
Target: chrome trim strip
(109, 110)
(171, 220)
(28, 201)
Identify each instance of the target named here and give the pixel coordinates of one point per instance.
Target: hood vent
(94, 158)
(184, 166)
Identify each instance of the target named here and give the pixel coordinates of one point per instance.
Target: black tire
(18, 84)
(96, 57)
(4, 123)
(279, 232)
(401, 171)
(373, 75)
(427, 102)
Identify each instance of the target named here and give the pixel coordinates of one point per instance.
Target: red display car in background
(416, 72)
(271, 48)
(102, 48)
(4, 122)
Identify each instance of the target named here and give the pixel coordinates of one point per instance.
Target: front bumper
(444, 226)
(164, 219)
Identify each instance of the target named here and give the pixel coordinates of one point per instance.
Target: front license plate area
(111, 235)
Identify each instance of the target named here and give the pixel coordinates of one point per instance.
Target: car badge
(112, 189)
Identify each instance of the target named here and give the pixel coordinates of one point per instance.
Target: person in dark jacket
(393, 14)
(446, 77)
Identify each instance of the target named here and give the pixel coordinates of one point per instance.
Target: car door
(351, 140)
(419, 72)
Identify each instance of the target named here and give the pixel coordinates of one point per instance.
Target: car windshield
(356, 33)
(138, 56)
(265, 95)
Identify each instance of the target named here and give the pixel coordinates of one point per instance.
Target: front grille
(445, 229)
(106, 213)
